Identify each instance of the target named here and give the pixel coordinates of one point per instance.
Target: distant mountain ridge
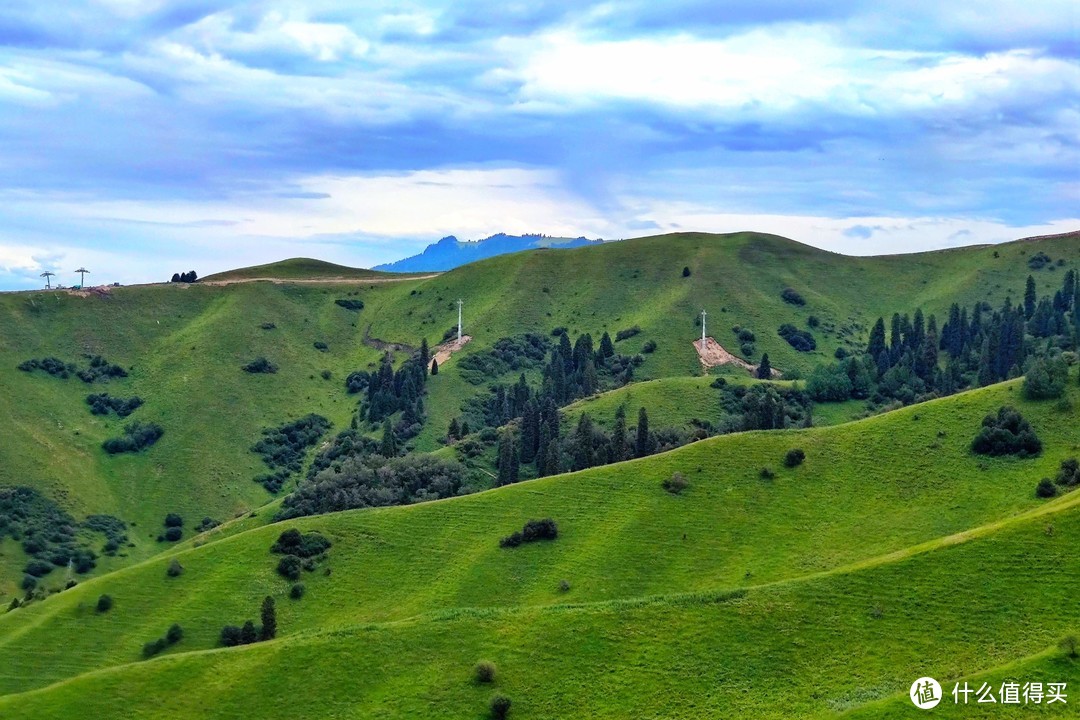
(450, 252)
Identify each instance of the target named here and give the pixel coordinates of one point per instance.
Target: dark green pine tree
(987, 376)
(434, 366)
(619, 448)
(607, 349)
(589, 380)
(876, 345)
(508, 459)
(530, 431)
(566, 353)
(582, 443)
(425, 353)
(454, 432)
(552, 459)
(896, 339)
(1030, 298)
(388, 446)
(764, 370)
(644, 444)
(248, 634)
(269, 620)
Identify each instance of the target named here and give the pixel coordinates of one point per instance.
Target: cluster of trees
(801, 340)
(981, 347)
(248, 633)
(46, 532)
(299, 551)
(174, 528)
(113, 528)
(388, 391)
(350, 304)
(1006, 433)
(283, 448)
(189, 277)
(103, 404)
(261, 365)
(137, 437)
(1067, 479)
(359, 478)
(519, 352)
(97, 369)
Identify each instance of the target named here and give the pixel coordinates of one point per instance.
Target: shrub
(649, 347)
(38, 568)
(174, 520)
(268, 326)
(500, 707)
(627, 333)
(320, 345)
(1039, 260)
(1007, 433)
(675, 484)
(794, 457)
(746, 335)
(175, 634)
(767, 473)
(260, 365)
(103, 404)
(1045, 489)
(796, 338)
(137, 437)
(104, 603)
(326, 374)
(29, 582)
(564, 586)
(512, 540)
(1045, 379)
(485, 672)
(790, 296)
(297, 591)
(175, 568)
(207, 523)
(686, 272)
(230, 636)
(813, 321)
(1069, 473)
(153, 647)
(173, 534)
(841, 353)
(1070, 646)
(289, 567)
(248, 633)
(350, 304)
(539, 530)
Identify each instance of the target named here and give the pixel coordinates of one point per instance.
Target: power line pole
(703, 314)
(459, 304)
(47, 275)
(83, 272)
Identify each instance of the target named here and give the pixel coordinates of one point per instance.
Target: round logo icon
(925, 693)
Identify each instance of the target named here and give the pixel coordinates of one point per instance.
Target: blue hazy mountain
(450, 252)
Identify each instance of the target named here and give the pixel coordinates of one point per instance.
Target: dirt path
(444, 351)
(318, 281)
(714, 354)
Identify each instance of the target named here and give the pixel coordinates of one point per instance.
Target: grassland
(298, 269)
(897, 481)
(740, 598)
(185, 344)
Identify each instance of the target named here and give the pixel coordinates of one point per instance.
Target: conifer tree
(619, 448)
(269, 620)
(764, 370)
(644, 444)
(1030, 298)
(388, 446)
(434, 366)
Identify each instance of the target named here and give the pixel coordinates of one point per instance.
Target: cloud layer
(142, 133)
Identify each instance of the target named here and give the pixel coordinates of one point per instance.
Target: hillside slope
(184, 346)
(677, 603)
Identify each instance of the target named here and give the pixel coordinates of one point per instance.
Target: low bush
(289, 567)
(350, 304)
(174, 520)
(103, 404)
(104, 603)
(49, 365)
(1006, 433)
(1046, 489)
(230, 636)
(137, 437)
(175, 634)
(321, 346)
(533, 531)
(175, 568)
(173, 534)
(649, 347)
(1069, 473)
(500, 707)
(767, 473)
(794, 457)
(485, 672)
(297, 591)
(801, 340)
(100, 369)
(154, 647)
(38, 568)
(260, 365)
(792, 297)
(675, 484)
(627, 333)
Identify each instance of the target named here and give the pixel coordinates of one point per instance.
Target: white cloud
(769, 73)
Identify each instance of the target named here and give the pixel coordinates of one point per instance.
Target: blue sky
(144, 137)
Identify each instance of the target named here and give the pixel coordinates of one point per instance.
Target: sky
(139, 138)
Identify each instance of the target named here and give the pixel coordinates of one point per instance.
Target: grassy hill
(676, 604)
(184, 346)
(296, 269)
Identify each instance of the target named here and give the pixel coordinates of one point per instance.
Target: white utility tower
(703, 313)
(459, 304)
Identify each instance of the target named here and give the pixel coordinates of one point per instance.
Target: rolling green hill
(184, 346)
(676, 604)
(297, 269)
